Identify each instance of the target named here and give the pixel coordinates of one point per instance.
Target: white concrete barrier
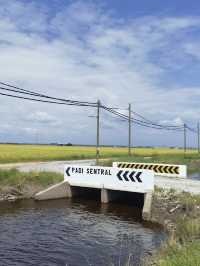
(108, 179)
(170, 170)
(111, 178)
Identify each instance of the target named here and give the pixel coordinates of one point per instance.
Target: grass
(31, 153)
(184, 255)
(25, 153)
(14, 178)
(183, 246)
(189, 202)
(187, 229)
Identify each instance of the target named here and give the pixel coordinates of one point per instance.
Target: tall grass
(187, 229)
(18, 179)
(181, 255)
(183, 246)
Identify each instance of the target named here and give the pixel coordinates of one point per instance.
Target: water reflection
(74, 232)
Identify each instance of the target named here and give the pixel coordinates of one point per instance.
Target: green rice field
(27, 153)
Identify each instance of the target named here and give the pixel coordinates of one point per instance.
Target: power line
(140, 122)
(159, 126)
(36, 94)
(44, 101)
(19, 93)
(190, 129)
(148, 123)
(156, 124)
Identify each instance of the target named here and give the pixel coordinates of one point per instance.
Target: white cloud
(43, 117)
(174, 122)
(30, 130)
(84, 52)
(192, 48)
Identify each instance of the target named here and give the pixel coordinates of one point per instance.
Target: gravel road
(54, 166)
(179, 184)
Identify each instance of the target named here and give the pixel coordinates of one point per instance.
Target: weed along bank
(109, 182)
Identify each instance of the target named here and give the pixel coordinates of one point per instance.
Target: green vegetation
(27, 153)
(30, 153)
(184, 255)
(183, 245)
(14, 178)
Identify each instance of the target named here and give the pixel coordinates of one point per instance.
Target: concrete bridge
(109, 183)
(179, 184)
(82, 177)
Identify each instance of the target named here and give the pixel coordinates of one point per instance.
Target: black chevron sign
(67, 171)
(160, 169)
(131, 176)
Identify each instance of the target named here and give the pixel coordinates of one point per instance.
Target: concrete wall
(64, 190)
(58, 191)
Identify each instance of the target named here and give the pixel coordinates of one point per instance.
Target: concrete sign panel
(170, 170)
(112, 178)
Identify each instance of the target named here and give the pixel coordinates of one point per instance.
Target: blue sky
(143, 52)
(130, 9)
(156, 7)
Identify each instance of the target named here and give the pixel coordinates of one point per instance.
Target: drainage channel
(78, 231)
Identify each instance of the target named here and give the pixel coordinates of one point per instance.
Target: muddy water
(78, 232)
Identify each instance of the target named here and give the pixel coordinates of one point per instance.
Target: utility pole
(98, 128)
(198, 140)
(129, 130)
(185, 144)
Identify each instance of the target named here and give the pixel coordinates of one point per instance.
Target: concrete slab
(58, 191)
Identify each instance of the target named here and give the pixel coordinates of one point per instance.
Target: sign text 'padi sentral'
(113, 178)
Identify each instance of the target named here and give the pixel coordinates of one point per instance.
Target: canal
(74, 232)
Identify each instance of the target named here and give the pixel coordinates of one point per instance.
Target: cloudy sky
(142, 52)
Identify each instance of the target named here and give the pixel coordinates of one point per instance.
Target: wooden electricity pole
(185, 143)
(129, 130)
(98, 129)
(198, 140)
